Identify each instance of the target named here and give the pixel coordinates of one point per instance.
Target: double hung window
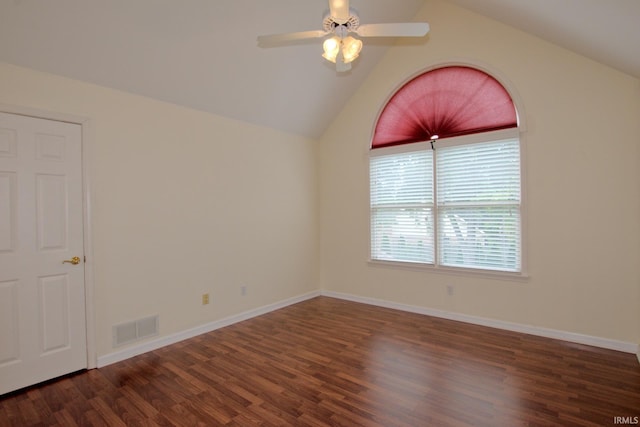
(456, 206)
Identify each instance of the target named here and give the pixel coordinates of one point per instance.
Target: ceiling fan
(339, 23)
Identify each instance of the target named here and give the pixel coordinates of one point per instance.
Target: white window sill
(456, 271)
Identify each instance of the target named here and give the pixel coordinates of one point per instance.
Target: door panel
(42, 306)
(9, 350)
(51, 191)
(54, 310)
(8, 211)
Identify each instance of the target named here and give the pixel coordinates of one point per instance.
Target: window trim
(504, 134)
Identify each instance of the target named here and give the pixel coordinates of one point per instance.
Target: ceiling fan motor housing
(330, 25)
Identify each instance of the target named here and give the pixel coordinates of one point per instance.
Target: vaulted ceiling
(203, 53)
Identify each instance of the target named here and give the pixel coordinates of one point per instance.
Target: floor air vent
(136, 330)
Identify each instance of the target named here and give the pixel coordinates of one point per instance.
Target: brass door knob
(75, 260)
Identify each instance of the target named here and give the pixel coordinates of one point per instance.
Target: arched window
(445, 174)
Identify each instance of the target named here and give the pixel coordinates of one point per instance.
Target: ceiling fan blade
(339, 10)
(408, 29)
(276, 39)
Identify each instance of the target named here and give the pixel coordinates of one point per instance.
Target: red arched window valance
(446, 102)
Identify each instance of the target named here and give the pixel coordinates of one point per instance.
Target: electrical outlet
(205, 299)
(243, 290)
(449, 290)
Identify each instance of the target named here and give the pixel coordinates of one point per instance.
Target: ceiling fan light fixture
(331, 48)
(351, 48)
(348, 47)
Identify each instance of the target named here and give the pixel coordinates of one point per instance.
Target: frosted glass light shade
(350, 49)
(331, 48)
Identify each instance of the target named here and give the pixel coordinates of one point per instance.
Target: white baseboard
(627, 347)
(135, 350)
(126, 353)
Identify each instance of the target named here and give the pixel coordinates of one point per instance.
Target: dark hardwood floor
(327, 362)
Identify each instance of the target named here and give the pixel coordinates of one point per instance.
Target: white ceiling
(203, 53)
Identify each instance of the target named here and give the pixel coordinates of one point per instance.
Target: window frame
(492, 136)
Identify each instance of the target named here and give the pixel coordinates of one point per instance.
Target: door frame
(86, 136)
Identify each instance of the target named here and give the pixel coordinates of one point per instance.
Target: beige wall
(184, 203)
(582, 161)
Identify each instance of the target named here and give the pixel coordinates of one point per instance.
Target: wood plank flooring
(328, 362)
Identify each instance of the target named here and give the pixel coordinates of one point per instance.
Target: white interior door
(42, 299)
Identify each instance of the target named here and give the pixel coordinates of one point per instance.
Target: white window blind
(472, 216)
(402, 210)
(479, 205)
